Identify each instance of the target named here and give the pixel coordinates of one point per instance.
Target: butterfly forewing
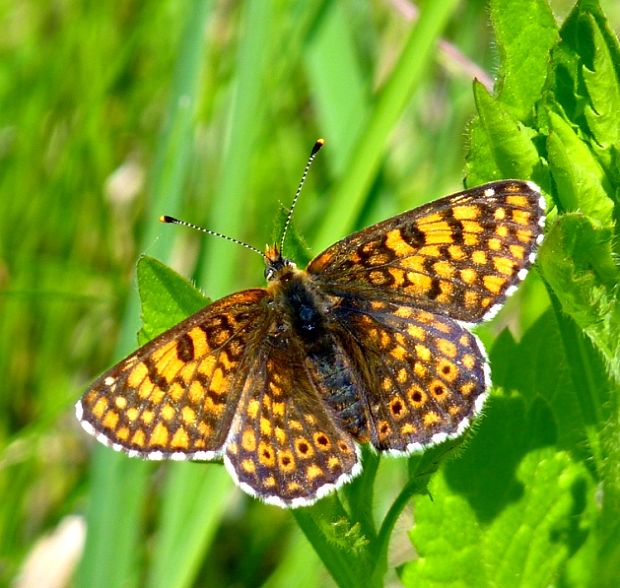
(459, 256)
(177, 395)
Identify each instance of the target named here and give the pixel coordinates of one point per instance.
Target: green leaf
(525, 31)
(579, 117)
(584, 83)
(526, 544)
(581, 103)
(579, 178)
(599, 398)
(602, 84)
(578, 264)
(501, 146)
(167, 298)
(517, 503)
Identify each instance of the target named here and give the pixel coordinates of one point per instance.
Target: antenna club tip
(166, 219)
(317, 145)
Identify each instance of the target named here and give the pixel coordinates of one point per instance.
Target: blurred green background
(114, 113)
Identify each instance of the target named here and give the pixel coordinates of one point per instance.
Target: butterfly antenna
(175, 221)
(317, 146)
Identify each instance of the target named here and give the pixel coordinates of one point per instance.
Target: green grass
(215, 106)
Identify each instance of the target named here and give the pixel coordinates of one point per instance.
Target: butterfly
(369, 344)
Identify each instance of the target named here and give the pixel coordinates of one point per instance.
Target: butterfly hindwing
(426, 376)
(287, 447)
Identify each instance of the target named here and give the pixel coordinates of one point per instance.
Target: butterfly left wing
(286, 447)
(459, 256)
(175, 397)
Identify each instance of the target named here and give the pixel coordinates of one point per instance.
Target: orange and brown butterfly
(369, 344)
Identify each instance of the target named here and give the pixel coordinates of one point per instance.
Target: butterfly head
(276, 264)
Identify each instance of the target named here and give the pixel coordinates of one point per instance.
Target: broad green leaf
(526, 544)
(579, 113)
(576, 111)
(579, 178)
(581, 102)
(578, 264)
(603, 112)
(167, 298)
(599, 397)
(501, 144)
(584, 81)
(295, 246)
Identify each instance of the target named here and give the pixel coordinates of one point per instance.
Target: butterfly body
(309, 330)
(368, 344)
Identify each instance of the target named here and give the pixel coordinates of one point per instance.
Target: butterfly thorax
(298, 303)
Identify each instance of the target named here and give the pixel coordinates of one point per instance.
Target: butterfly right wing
(175, 397)
(459, 256)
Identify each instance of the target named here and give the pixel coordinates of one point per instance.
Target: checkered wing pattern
(368, 345)
(175, 398)
(425, 376)
(459, 256)
(287, 447)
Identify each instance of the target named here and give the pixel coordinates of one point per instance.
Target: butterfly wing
(380, 356)
(175, 397)
(459, 256)
(424, 375)
(286, 447)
